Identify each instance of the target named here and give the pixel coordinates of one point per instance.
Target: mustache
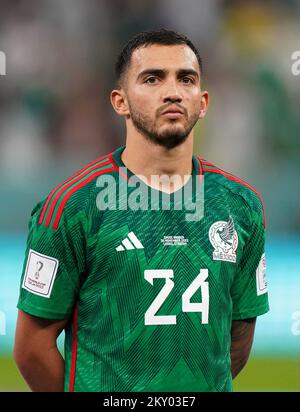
(165, 107)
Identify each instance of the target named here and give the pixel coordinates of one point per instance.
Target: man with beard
(149, 299)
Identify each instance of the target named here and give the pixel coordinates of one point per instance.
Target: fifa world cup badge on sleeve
(40, 274)
(261, 276)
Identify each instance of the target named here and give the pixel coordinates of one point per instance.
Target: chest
(129, 244)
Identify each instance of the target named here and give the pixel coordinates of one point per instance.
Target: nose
(172, 93)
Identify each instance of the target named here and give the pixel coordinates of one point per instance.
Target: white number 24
(187, 305)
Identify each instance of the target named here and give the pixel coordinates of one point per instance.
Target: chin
(171, 140)
(172, 130)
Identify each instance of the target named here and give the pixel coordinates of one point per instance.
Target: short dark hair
(146, 38)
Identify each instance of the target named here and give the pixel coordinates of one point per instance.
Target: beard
(169, 138)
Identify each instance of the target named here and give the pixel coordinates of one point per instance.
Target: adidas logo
(130, 242)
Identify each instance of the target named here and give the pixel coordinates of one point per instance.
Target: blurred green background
(55, 117)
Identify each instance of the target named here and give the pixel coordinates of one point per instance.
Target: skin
(158, 78)
(242, 333)
(36, 353)
(147, 95)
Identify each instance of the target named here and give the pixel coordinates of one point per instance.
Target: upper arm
(242, 333)
(34, 333)
(243, 330)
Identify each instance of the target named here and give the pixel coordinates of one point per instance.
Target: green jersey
(149, 291)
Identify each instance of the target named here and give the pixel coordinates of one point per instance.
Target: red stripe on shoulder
(74, 351)
(236, 179)
(73, 190)
(66, 181)
(206, 163)
(63, 189)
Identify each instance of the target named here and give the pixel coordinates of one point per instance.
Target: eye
(151, 80)
(187, 80)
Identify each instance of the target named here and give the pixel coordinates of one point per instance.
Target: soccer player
(151, 298)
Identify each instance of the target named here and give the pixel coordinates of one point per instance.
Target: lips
(174, 110)
(172, 113)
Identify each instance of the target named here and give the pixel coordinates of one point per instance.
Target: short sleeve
(249, 289)
(54, 266)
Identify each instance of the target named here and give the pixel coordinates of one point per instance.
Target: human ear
(119, 102)
(203, 104)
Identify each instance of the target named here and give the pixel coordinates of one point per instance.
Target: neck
(145, 158)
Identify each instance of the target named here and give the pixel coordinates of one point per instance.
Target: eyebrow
(163, 72)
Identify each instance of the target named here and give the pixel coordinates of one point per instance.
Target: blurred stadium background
(55, 116)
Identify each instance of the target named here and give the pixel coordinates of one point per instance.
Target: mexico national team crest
(223, 237)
